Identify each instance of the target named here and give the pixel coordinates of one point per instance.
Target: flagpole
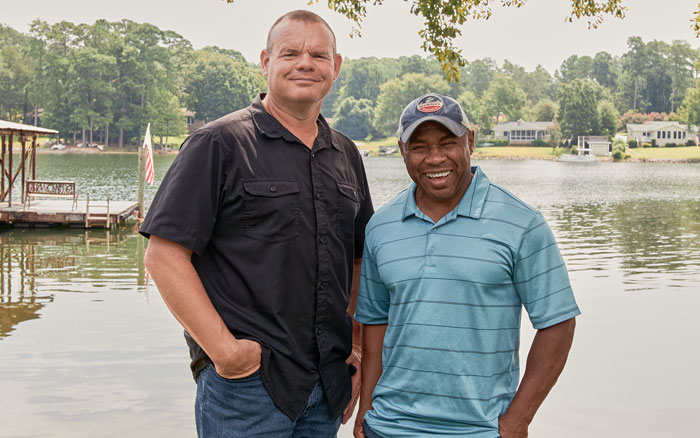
(142, 179)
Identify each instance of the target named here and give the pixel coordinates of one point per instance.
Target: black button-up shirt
(274, 228)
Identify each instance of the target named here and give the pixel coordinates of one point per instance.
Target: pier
(33, 209)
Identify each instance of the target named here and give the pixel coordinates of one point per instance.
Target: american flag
(150, 176)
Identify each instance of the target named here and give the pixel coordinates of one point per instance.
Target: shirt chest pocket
(348, 205)
(271, 210)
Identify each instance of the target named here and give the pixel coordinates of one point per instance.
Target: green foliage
(443, 19)
(608, 118)
(690, 143)
(539, 142)
(217, 84)
(353, 117)
(578, 109)
(475, 110)
(545, 111)
(632, 143)
(504, 96)
(397, 93)
(362, 79)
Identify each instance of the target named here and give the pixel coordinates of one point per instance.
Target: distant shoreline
(73, 150)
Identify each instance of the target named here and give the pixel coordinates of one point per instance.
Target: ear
(264, 62)
(402, 145)
(470, 139)
(338, 61)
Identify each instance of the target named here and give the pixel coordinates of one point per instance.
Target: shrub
(617, 155)
(671, 145)
(539, 142)
(690, 143)
(632, 143)
(500, 142)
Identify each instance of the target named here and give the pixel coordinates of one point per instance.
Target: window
(658, 134)
(675, 133)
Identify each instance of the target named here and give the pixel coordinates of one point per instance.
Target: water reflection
(37, 264)
(654, 244)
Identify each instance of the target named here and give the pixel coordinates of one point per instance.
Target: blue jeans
(242, 408)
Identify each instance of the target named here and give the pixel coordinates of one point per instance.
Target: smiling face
(300, 64)
(438, 162)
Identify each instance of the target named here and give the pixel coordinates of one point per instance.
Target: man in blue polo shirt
(447, 267)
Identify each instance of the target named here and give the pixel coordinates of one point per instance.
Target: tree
(504, 97)
(479, 73)
(689, 111)
(474, 109)
(608, 118)
(545, 111)
(362, 79)
(578, 108)
(443, 18)
(217, 84)
(353, 117)
(605, 69)
(397, 93)
(538, 85)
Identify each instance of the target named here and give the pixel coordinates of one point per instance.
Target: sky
(535, 34)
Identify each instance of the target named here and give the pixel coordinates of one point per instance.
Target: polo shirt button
(431, 251)
(432, 230)
(318, 195)
(273, 188)
(322, 239)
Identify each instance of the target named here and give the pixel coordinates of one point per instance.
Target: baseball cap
(432, 107)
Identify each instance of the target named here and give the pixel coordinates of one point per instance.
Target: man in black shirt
(256, 235)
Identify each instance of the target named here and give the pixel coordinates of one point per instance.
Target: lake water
(87, 347)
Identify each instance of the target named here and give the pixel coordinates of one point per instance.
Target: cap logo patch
(429, 104)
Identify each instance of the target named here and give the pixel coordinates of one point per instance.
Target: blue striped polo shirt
(451, 294)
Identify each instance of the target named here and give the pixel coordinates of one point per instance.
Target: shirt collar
(470, 205)
(271, 127)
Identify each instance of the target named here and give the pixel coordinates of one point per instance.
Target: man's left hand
(355, 359)
(511, 429)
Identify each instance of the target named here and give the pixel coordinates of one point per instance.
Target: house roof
(653, 126)
(7, 127)
(520, 124)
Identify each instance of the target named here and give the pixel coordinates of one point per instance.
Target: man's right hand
(243, 360)
(358, 431)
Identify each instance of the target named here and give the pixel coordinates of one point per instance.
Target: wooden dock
(48, 213)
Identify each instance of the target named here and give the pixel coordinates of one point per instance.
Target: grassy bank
(686, 153)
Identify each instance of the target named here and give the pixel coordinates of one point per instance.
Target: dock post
(142, 180)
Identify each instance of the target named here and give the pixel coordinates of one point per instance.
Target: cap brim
(454, 127)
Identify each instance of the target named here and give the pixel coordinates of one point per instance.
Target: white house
(662, 132)
(521, 132)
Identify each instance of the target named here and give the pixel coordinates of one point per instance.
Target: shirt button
(431, 251)
(273, 188)
(322, 239)
(432, 230)
(320, 286)
(318, 195)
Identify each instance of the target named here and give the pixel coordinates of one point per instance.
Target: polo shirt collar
(471, 204)
(271, 127)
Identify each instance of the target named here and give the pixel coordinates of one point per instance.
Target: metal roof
(652, 126)
(6, 127)
(520, 124)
